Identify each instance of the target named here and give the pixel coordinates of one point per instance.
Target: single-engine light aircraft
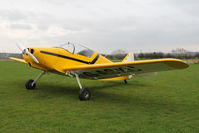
(81, 62)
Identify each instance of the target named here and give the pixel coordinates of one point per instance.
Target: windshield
(77, 49)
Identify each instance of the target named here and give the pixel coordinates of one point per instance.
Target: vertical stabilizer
(129, 57)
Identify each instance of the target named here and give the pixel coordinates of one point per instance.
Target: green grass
(168, 103)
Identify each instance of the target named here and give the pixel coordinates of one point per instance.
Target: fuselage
(58, 59)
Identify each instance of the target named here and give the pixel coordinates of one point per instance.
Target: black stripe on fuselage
(70, 58)
(66, 57)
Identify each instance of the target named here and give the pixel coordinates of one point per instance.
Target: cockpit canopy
(77, 49)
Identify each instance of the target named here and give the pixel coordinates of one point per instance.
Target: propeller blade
(26, 51)
(21, 47)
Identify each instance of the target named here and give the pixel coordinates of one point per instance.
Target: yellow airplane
(80, 62)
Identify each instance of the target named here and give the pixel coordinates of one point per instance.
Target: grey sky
(103, 25)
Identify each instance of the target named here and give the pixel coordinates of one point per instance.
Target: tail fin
(129, 57)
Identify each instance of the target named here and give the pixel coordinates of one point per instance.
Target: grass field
(168, 103)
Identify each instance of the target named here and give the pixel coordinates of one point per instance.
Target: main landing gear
(84, 93)
(31, 84)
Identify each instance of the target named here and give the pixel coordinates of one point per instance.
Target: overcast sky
(102, 25)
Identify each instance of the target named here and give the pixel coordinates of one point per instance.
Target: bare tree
(179, 51)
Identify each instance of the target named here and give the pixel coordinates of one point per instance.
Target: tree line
(178, 53)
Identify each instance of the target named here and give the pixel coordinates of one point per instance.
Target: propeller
(26, 51)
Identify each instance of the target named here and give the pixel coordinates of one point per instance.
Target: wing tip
(177, 63)
(17, 59)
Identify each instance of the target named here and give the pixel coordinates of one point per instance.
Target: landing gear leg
(84, 93)
(31, 84)
(125, 81)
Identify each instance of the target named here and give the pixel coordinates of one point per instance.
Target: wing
(110, 70)
(19, 60)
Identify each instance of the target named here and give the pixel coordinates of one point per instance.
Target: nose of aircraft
(26, 51)
(29, 55)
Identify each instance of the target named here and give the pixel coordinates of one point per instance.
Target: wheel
(29, 85)
(84, 94)
(125, 81)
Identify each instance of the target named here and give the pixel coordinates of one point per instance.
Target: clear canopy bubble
(77, 49)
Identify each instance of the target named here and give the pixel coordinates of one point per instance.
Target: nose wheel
(31, 84)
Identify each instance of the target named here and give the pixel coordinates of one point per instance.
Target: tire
(84, 94)
(29, 85)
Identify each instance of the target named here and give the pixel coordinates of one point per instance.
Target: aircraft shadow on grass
(60, 90)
